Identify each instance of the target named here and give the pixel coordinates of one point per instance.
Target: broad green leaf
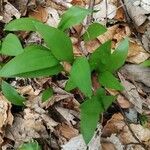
(119, 56)
(146, 63)
(33, 145)
(109, 81)
(58, 42)
(105, 100)
(90, 111)
(29, 61)
(11, 45)
(81, 75)
(72, 16)
(42, 72)
(101, 56)
(11, 94)
(22, 24)
(70, 85)
(34, 46)
(93, 31)
(47, 94)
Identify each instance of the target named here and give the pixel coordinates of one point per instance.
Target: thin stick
(133, 134)
(91, 7)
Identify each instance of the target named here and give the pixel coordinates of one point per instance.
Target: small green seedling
(41, 61)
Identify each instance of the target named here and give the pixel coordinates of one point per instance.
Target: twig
(91, 7)
(106, 4)
(1, 5)
(131, 22)
(133, 134)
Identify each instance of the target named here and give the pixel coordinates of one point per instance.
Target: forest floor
(54, 124)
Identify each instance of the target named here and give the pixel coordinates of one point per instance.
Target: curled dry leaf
(6, 118)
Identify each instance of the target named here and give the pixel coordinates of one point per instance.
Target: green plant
(38, 60)
(32, 145)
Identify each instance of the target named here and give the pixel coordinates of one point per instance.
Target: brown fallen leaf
(142, 133)
(116, 32)
(107, 146)
(40, 14)
(32, 124)
(67, 131)
(136, 53)
(120, 15)
(114, 125)
(136, 73)
(131, 94)
(123, 102)
(92, 45)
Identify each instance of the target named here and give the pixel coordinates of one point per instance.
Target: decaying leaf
(6, 118)
(137, 13)
(132, 94)
(67, 131)
(104, 11)
(143, 134)
(40, 14)
(31, 125)
(116, 32)
(137, 54)
(137, 73)
(66, 114)
(114, 125)
(123, 102)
